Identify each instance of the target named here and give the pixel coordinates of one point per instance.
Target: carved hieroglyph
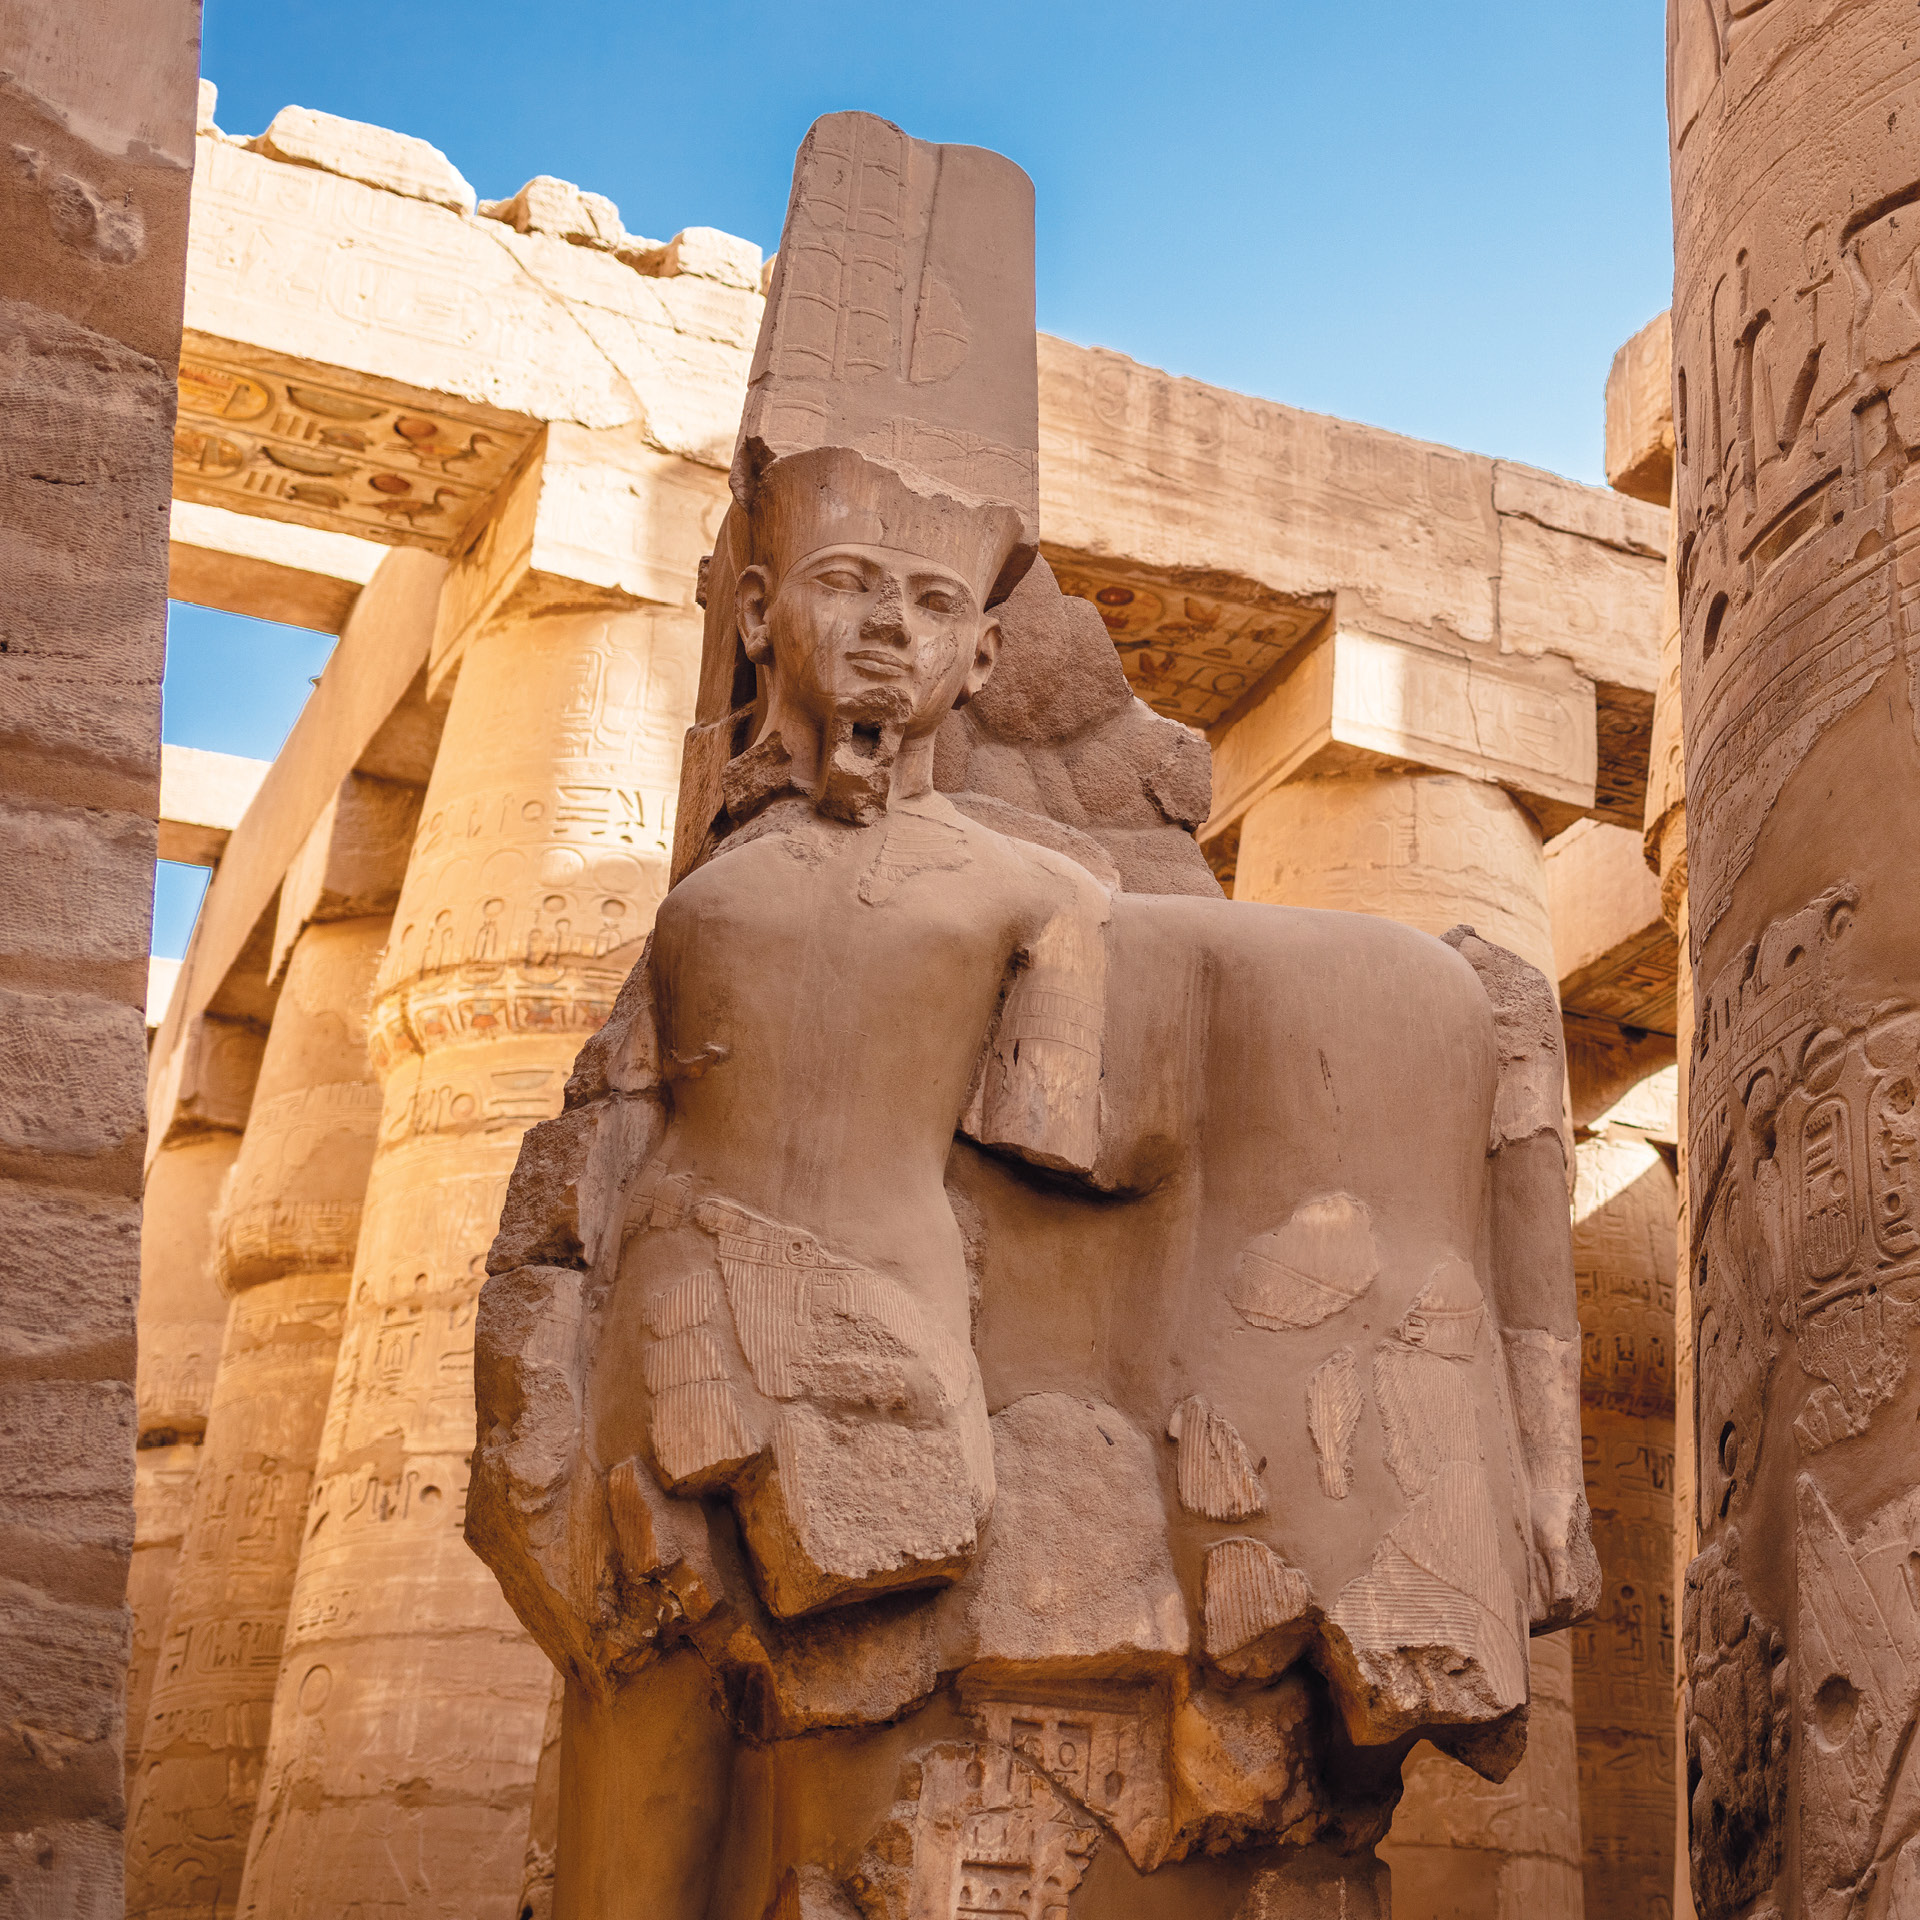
(287, 1230)
(919, 1103)
(1796, 345)
(540, 854)
(272, 440)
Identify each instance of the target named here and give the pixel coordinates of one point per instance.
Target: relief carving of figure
(1016, 1385)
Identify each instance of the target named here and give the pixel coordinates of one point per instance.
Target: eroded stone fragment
(1321, 1261)
(397, 162)
(1258, 1611)
(847, 1506)
(1217, 1475)
(1333, 1411)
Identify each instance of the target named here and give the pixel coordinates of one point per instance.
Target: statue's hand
(1564, 1571)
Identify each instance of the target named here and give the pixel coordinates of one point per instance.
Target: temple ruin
(1651, 745)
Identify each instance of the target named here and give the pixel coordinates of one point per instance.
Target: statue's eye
(939, 600)
(841, 580)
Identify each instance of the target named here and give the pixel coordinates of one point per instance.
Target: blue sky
(1438, 219)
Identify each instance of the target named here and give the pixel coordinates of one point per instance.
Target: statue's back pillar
(1796, 153)
(1435, 850)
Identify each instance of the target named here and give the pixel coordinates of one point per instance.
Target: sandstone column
(408, 1718)
(1796, 152)
(1623, 1251)
(181, 1321)
(96, 123)
(287, 1238)
(1434, 850)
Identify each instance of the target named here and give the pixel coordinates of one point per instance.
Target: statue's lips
(892, 665)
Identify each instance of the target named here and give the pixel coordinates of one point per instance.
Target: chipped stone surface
(1218, 1477)
(376, 156)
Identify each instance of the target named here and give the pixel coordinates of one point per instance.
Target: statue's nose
(887, 617)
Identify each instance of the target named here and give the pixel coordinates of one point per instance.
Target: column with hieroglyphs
(287, 1233)
(182, 1318)
(1796, 354)
(1623, 1251)
(408, 1717)
(1433, 849)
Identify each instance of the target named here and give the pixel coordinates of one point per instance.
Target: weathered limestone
(1796, 366)
(96, 118)
(287, 1230)
(1639, 423)
(915, 1107)
(1624, 1209)
(541, 852)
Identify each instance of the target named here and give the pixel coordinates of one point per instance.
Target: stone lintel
(592, 519)
(1640, 414)
(296, 576)
(203, 796)
(1354, 699)
(336, 448)
(1614, 952)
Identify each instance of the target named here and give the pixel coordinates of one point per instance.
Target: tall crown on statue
(893, 400)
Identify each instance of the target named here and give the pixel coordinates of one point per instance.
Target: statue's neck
(849, 769)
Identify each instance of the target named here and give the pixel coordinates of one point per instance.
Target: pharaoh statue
(1017, 1385)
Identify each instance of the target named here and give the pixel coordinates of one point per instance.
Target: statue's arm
(1534, 1300)
(1037, 1093)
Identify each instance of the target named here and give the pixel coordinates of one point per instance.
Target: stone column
(408, 1718)
(96, 122)
(182, 1318)
(287, 1236)
(1623, 1251)
(1796, 148)
(1434, 850)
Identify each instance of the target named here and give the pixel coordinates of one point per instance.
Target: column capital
(1355, 700)
(593, 518)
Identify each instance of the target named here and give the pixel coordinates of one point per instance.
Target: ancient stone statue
(1016, 1385)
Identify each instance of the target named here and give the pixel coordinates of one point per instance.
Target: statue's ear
(986, 650)
(752, 597)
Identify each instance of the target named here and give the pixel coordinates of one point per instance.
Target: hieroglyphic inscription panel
(275, 440)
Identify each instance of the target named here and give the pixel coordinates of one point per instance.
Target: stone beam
(1214, 531)
(370, 362)
(266, 569)
(202, 798)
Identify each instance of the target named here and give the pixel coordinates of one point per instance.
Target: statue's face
(847, 621)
